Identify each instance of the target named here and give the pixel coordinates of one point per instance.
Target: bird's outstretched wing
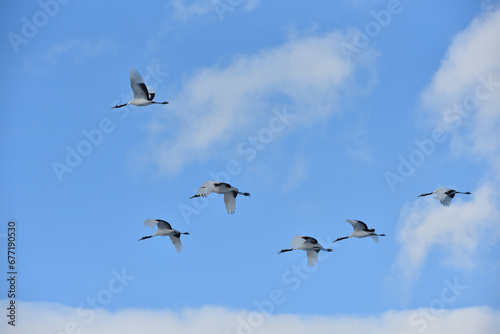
(357, 225)
(310, 240)
(138, 87)
(157, 222)
(206, 188)
(446, 201)
(298, 241)
(163, 225)
(150, 223)
(230, 201)
(152, 93)
(444, 196)
(312, 257)
(176, 241)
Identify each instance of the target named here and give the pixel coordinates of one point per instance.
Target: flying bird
(164, 229)
(229, 192)
(142, 96)
(444, 195)
(308, 244)
(361, 231)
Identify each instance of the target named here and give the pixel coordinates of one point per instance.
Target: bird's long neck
(285, 250)
(327, 249)
(465, 193)
(146, 237)
(244, 194)
(425, 194)
(165, 102)
(338, 239)
(120, 105)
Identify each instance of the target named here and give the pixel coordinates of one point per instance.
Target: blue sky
(323, 112)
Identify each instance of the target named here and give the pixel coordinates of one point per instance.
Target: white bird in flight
(361, 231)
(444, 195)
(164, 229)
(229, 192)
(142, 96)
(308, 244)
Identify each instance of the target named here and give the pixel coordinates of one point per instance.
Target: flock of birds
(143, 96)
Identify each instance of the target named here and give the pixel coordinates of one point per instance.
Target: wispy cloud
(457, 230)
(463, 98)
(222, 104)
(358, 146)
(80, 51)
(71, 51)
(185, 10)
(464, 94)
(297, 174)
(54, 318)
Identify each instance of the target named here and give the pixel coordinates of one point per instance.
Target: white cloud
(464, 94)
(220, 105)
(458, 230)
(461, 82)
(54, 318)
(473, 52)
